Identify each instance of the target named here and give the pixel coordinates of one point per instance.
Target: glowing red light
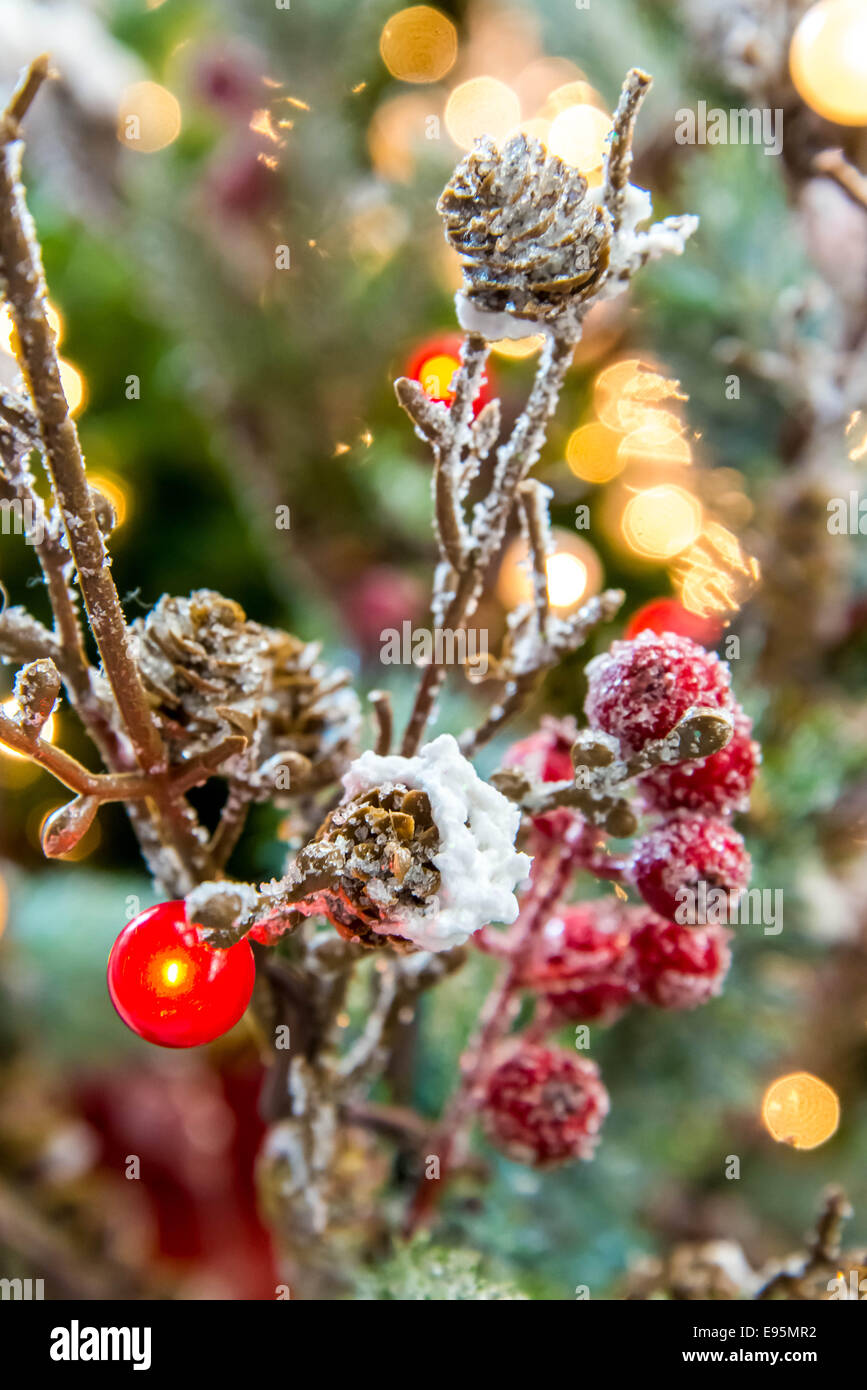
(170, 988)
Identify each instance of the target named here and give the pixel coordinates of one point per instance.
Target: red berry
(720, 783)
(543, 1105)
(679, 967)
(675, 857)
(667, 615)
(169, 987)
(546, 754)
(639, 690)
(581, 964)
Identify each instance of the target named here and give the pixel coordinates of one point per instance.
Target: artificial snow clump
(475, 858)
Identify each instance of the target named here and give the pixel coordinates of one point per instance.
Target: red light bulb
(435, 363)
(668, 615)
(170, 988)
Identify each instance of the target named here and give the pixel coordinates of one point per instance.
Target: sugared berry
(639, 690)
(719, 784)
(543, 1106)
(672, 860)
(580, 964)
(679, 967)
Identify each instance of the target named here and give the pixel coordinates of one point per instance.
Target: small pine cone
(209, 673)
(678, 967)
(640, 689)
(542, 1106)
(372, 862)
(532, 241)
(671, 861)
(718, 785)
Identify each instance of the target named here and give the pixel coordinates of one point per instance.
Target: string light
(74, 387)
(434, 365)
(419, 44)
(148, 117)
(660, 522)
(801, 1110)
(519, 348)
(592, 453)
(578, 135)
(110, 486)
(573, 570)
(481, 106)
(828, 60)
(627, 394)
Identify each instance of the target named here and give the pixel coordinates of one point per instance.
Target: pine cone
(374, 858)
(209, 672)
(532, 241)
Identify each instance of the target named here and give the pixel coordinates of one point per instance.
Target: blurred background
(236, 205)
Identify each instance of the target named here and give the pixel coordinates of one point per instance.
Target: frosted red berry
(172, 989)
(639, 690)
(719, 784)
(672, 860)
(679, 967)
(542, 1106)
(545, 754)
(581, 966)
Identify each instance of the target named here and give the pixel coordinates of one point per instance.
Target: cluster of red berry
(592, 960)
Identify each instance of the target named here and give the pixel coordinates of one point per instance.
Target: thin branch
(381, 701)
(618, 161)
(834, 165)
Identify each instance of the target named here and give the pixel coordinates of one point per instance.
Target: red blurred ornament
(667, 615)
(435, 363)
(169, 987)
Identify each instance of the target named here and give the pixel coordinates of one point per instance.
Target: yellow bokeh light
(436, 375)
(626, 394)
(396, 131)
(148, 117)
(111, 487)
(7, 327)
(801, 1110)
(579, 135)
(419, 44)
(519, 347)
(49, 728)
(536, 128)
(174, 973)
(660, 522)
(715, 575)
(578, 93)
(592, 453)
(74, 388)
(481, 106)
(573, 570)
(567, 579)
(656, 441)
(828, 60)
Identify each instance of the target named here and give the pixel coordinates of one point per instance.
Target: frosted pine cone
(531, 239)
(421, 850)
(209, 672)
